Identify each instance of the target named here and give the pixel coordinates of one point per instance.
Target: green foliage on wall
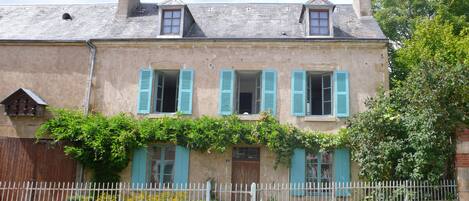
(104, 144)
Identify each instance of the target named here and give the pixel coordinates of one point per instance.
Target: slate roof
(212, 20)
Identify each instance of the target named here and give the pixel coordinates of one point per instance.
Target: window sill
(160, 115)
(169, 36)
(321, 119)
(249, 117)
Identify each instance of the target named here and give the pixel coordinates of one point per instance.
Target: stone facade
(58, 73)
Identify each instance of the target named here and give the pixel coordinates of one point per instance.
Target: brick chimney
(362, 7)
(126, 7)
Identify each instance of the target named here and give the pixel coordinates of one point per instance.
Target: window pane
(167, 14)
(314, 31)
(168, 179)
(169, 153)
(155, 171)
(324, 31)
(175, 29)
(168, 167)
(167, 22)
(327, 94)
(314, 14)
(327, 108)
(166, 30)
(323, 15)
(324, 23)
(177, 14)
(326, 81)
(315, 23)
(175, 22)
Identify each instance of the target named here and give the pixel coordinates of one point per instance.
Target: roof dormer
(175, 19)
(317, 15)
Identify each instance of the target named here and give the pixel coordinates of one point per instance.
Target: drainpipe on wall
(86, 102)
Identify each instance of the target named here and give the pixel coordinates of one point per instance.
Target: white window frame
(156, 87)
(308, 95)
(319, 166)
(307, 18)
(181, 23)
(162, 162)
(257, 95)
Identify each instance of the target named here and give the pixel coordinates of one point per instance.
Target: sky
(28, 2)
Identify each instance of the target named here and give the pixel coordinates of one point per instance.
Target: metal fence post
(208, 191)
(253, 192)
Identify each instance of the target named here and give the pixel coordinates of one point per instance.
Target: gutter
(86, 101)
(80, 171)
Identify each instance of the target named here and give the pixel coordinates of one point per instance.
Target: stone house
(312, 65)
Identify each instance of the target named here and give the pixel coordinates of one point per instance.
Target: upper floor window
(319, 93)
(319, 23)
(248, 92)
(171, 22)
(166, 90)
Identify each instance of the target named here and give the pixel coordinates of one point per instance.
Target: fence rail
(350, 191)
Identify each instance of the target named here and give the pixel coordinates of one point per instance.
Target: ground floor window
(162, 163)
(319, 167)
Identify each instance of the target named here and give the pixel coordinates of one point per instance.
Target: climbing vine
(104, 144)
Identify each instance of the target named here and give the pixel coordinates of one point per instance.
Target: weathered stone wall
(58, 73)
(55, 72)
(116, 81)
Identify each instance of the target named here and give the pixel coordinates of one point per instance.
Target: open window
(319, 93)
(166, 85)
(248, 92)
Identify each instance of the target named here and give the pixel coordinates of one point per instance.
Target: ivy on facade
(104, 144)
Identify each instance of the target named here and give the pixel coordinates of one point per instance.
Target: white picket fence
(351, 191)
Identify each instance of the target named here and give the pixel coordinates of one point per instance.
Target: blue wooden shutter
(298, 93)
(181, 166)
(144, 92)
(269, 91)
(227, 78)
(341, 85)
(186, 78)
(298, 170)
(342, 169)
(139, 166)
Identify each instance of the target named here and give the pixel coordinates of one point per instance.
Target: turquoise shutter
(181, 166)
(298, 170)
(341, 83)
(186, 78)
(342, 170)
(269, 91)
(227, 78)
(144, 92)
(139, 166)
(298, 93)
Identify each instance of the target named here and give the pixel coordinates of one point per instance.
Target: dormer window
(171, 23)
(319, 23)
(317, 16)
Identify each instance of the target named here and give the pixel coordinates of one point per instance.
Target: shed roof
(212, 20)
(28, 92)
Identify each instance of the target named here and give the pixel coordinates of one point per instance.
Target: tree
(408, 132)
(398, 20)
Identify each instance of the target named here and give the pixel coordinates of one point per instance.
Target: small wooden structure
(24, 102)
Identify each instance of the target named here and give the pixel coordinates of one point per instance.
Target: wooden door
(245, 170)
